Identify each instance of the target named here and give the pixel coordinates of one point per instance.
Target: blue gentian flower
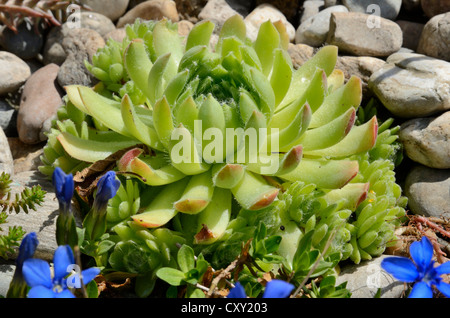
(274, 289)
(38, 276)
(107, 188)
(421, 270)
(64, 187)
(18, 286)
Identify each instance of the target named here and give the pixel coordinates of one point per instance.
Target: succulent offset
(217, 137)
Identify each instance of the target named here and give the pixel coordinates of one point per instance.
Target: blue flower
(107, 188)
(421, 270)
(18, 286)
(64, 187)
(38, 276)
(274, 289)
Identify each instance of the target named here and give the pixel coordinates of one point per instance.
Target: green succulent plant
(223, 137)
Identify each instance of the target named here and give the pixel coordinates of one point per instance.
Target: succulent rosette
(211, 129)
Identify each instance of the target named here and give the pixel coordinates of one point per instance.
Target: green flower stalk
(66, 233)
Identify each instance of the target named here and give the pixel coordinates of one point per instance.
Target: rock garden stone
(354, 33)
(6, 275)
(217, 11)
(434, 7)
(425, 140)
(97, 22)
(388, 9)
(300, 53)
(14, 72)
(81, 45)
(311, 8)
(150, 10)
(413, 85)
(116, 34)
(364, 280)
(8, 117)
(26, 43)
(435, 37)
(6, 159)
(428, 191)
(113, 9)
(261, 14)
(314, 30)
(411, 33)
(41, 97)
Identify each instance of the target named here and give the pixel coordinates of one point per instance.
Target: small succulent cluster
(12, 12)
(211, 141)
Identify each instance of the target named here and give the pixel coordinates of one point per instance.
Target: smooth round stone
(14, 72)
(97, 22)
(150, 10)
(113, 9)
(435, 37)
(26, 43)
(388, 9)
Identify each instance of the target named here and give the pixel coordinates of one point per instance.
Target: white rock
(314, 30)
(413, 85)
(217, 11)
(388, 9)
(6, 158)
(261, 14)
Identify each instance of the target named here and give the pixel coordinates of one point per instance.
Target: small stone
(8, 118)
(53, 51)
(358, 34)
(365, 279)
(97, 22)
(41, 97)
(117, 35)
(6, 275)
(432, 8)
(14, 72)
(411, 33)
(300, 53)
(388, 9)
(314, 31)
(413, 85)
(26, 43)
(435, 37)
(6, 158)
(184, 27)
(113, 9)
(428, 193)
(425, 140)
(261, 14)
(217, 11)
(80, 46)
(311, 8)
(360, 66)
(150, 10)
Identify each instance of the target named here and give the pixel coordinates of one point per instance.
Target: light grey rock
(428, 191)
(413, 85)
(356, 33)
(14, 72)
(364, 280)
(426, 140)
(217, 11)
(6, 158)
(42, 221)
(113, 9)
(315, 29)
(261, 14)
(435, 37)
(6, 275)
(97, 22)
(80, 46)
(311, 8)
(388, 9)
